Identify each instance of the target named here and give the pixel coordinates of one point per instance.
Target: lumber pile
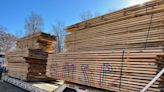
(27, 65)
(120, 51)
(136, 27)
(39, 40)
(120, 71)
(29, 61)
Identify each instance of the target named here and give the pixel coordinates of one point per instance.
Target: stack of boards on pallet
(140, 26)
(29, 61)
(120, 71)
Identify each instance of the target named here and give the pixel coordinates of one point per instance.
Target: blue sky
(13, 12)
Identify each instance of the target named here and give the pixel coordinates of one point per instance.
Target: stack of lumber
(39, 40)
(28, 62)
(27, 65)
(107, 51)
(139, 27)
(120, 71)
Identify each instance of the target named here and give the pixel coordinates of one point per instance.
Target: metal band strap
(121, 69)
(148, 31)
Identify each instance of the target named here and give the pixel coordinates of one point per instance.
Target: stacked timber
(39, 40)
(117, 70)
(107, 51)
(136, 27)
(27, 65)
(28, 62)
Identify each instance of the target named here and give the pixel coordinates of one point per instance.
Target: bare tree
(33, 23)
(111, 10)
(86, 15)
(58, 30)
(7, 40)
(96, 14)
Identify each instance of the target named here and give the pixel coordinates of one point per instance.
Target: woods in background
(59, 32)
(33, 23)
(7, 40)
(86, 15)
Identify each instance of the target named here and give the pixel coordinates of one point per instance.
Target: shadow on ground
(6, 87)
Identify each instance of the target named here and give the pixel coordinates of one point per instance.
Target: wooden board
(30, 53)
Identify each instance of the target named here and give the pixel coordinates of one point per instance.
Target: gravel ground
(6, 87)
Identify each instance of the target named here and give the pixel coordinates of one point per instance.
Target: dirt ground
(6, 87)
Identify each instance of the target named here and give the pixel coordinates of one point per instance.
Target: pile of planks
(120, 71)
(28, 65)
(39, 40)
(119, 51)
(28, 62)
(136, 27)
